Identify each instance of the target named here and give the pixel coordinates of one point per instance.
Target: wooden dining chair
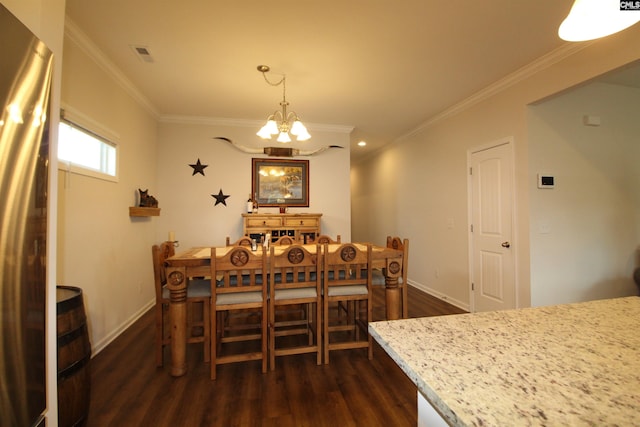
(324, 238)
(239, 283)
(347, 281)
(198, 302)
(243, 241)
(379, 274)
(284, 240)
(295, 280)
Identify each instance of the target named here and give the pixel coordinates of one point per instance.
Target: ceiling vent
(143, 53)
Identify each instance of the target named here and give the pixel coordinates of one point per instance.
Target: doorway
(491, 245)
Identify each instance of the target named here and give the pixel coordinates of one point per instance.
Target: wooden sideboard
(303, 227)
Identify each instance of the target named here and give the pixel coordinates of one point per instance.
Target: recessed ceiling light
(362, 144)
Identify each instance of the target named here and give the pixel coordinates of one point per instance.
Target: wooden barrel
(74, 354)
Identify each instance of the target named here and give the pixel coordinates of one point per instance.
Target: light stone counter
(564, 365)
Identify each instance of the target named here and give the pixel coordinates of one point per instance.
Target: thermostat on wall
(546, 181)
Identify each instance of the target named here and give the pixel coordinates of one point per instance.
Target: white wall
(585, 231)
(187, 206)
(45, 18)
(416, 187)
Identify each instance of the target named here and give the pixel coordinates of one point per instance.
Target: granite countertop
(564, 365)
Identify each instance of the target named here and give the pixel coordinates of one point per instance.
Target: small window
(86, 153)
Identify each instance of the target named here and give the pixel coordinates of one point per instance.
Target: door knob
(506, 244)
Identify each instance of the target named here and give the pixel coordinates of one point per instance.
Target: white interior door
(492, 246)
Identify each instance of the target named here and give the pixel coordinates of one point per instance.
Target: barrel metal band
(70, 370)
(72, 335)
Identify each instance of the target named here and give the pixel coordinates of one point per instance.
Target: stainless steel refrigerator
(25, 79)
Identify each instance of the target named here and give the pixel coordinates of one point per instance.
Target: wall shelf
(137, 211)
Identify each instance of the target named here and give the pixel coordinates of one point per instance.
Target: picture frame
(280, 182)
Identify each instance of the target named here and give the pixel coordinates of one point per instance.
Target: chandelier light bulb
(283, 137)
(297, 128)
(303, 136)
(264, 133)
(272, 127)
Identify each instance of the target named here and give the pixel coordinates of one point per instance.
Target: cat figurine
(147, 200)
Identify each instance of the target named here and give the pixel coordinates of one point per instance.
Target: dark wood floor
(128, 390)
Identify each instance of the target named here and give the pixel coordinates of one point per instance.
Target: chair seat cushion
(238, 298)
(199, 288)
(281, 294)
(196, 288)
(347, 290)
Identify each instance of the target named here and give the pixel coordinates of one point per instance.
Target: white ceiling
(380, 66)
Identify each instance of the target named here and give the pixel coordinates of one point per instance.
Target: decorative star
(220, 198)
(198, 168)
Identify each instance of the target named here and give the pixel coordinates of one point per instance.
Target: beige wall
(100, 248)
(585, 232)
(427, 172)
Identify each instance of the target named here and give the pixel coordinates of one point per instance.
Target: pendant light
(282, 122)
(592, 19)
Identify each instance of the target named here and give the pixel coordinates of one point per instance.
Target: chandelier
(282, 123)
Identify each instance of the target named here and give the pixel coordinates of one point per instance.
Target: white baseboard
(99, 346)
(444, 297)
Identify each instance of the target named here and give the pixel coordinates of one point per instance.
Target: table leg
(177, 284)
(393, 300)
(392, 289)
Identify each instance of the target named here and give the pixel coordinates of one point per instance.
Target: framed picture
(280, 182)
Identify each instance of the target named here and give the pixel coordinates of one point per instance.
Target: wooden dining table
(196, 262)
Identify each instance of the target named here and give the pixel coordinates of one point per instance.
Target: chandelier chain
(264, 74)
(282, 81)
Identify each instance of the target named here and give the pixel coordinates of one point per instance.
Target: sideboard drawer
(263, 222)
(301, 222)
(300, 226)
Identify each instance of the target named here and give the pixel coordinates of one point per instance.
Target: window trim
(84, 124)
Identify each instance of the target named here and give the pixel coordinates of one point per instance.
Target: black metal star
(220, 198)
(198, 168)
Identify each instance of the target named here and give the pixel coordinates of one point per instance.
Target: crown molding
(503, 84)
(208, 121)
(80, 39)
(216, 121)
